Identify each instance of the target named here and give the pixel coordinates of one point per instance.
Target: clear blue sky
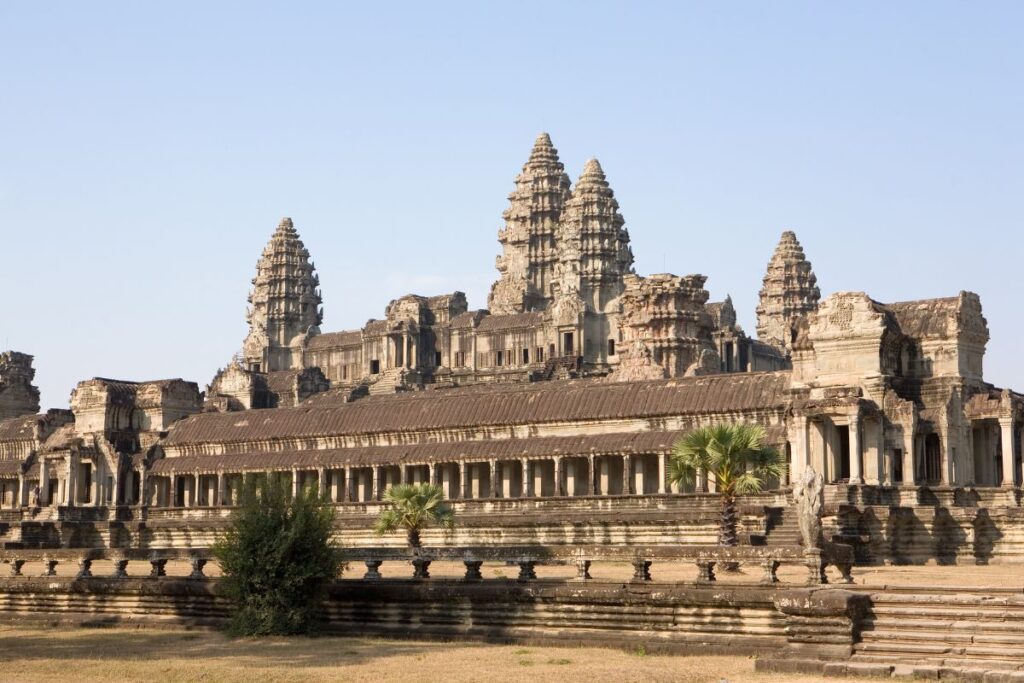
(149, 150)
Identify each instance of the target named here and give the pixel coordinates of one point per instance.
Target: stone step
(944, 625)
(995, 613)
(905, 633)
(910, 650)
(965, 668)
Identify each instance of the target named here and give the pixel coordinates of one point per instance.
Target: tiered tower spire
(527, 262)
(790, 292)
(284, 303)
(593, 245)
(18, 396)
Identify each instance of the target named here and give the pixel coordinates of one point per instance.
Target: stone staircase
(782, 527)
(944, 632)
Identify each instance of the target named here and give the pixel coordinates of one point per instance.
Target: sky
(150, 149)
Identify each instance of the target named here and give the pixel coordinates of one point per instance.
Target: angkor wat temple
(548, 416)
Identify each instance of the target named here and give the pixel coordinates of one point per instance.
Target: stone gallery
(548, 419)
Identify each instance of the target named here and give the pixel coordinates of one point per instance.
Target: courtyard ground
(105, 655)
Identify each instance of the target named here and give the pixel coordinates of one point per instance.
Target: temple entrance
(843, 432)
(567, 344)
(932, 459)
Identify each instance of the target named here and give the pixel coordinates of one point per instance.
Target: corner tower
(284, 305)
(527, 261)
(18, 396)
(790, 292)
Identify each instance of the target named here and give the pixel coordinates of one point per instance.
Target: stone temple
(548, 416)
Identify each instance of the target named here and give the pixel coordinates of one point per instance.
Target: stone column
(463, 483)
(799, 447)
(492, 466)
(221, 491)
(94, 486)
(1006, 433)
(662, 471)
(322, 485)
(627, 474)
(71, 488)
(590, 475)
(44, 482)
(295, 483)
(856, 475)
(570, 477)
(558, 475)
(538, 478)
(604, 479)
(376, 481)
(909, 456)
(525, 464)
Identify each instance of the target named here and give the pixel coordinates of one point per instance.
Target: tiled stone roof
(501, 449)
(494, 323)
(925, 318)
(336, 339)
(19, 428)
(482, 406)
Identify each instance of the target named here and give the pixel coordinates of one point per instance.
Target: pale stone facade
(578, 387)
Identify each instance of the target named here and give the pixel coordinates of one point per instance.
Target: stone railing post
(197, 568)
(641, 570)
(583, 570)
(159, 568)
(526, 570)
(84, 568)
(706, 571)
(421, 568)
(120, 569)
(372, 570)
(51, 568)
(16, 566)
(771, 566)
(473, 570)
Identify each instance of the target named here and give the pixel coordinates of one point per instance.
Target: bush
(277, 559)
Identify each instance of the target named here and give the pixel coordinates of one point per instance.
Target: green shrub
(277, 559)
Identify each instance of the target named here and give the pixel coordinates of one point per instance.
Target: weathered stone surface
(790, 292)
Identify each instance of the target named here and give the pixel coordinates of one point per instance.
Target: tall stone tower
(284, 303)
(790, 292)
(527, 262)
(18, 396)
(593, 245)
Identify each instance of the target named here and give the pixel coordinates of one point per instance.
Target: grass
(103, 655)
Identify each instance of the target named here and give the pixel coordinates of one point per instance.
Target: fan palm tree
(737, 459)
(413, 507)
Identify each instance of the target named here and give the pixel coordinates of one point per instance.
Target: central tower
(529, 254)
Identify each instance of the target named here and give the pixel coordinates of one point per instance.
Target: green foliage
(735, 457)
(414, 507)
(732, 454)
(277, 559)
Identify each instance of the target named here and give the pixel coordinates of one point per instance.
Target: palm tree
(413, 507)
(735, 456)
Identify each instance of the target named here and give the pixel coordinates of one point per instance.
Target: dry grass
(85, 655)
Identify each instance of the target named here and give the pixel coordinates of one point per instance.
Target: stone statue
(809, 496)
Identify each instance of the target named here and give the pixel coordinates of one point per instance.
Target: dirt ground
(105, 655)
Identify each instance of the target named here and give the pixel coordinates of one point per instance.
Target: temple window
(374, 367)
(437, 359)
(611, 347)
(526, 356)
(540, 354)
(501, 358)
